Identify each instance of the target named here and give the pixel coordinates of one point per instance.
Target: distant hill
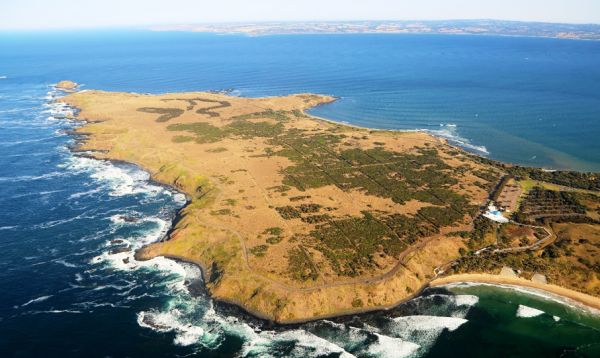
(456, 27)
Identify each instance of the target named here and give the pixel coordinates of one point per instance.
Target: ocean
(64, 294)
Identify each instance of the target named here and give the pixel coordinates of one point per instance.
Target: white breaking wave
(182, 312)
(65, 263)
(125, 260)
(57, 109)
(114, 287)
(441, 304)
(118, 219)
(3, 77)
(53, 312)
(427, 323)
(36, 300)
(425, 330)
(194, 321)
(466, 300)
(38, 193)
(449, 132)
(85, 193)
(528, 312)
(187, 334)
(389, 347)
(91, 305)
(17, 142)
(129, 180)
(353, 339)
(121, 180)
(49, 224)
(305, 344)
(178, 317)
(134, 219)
(31, 177)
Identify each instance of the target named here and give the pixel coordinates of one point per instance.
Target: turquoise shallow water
(65, 295)
(511, 322)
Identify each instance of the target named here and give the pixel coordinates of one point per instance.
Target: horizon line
(151, 25)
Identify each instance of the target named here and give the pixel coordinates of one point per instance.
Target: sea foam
(186, 334)
(528, 312)
(424, 330)
(388, 347)
(450, 133)
(427, 323)
(121, 180)
(36, 300)
(304, 344)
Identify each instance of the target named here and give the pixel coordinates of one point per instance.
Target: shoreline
(565, 295)
(484, 154)
(562, 295)
(267, 321)
(219, 32)
(583, 299)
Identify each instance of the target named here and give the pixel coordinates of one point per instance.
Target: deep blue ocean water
(66, 292)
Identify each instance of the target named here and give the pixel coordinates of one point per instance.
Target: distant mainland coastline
(448, 27)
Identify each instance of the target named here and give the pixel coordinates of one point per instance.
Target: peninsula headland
(295, 218)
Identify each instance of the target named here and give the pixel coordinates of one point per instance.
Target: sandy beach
(578, 297)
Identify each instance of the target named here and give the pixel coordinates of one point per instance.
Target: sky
(57, 14)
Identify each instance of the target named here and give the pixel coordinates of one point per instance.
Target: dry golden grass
(235, 182)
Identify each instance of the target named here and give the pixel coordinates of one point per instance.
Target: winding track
(540, 244)
(401, 260)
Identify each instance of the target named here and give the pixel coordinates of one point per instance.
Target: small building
(495, 215)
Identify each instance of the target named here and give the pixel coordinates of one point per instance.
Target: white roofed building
(495, 215)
